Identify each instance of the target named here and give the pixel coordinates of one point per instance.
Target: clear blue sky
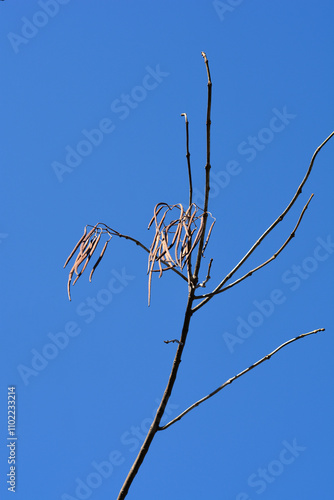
(91, 97)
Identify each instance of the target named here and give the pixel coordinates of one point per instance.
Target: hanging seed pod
(75, 248)
(98, 260)
(182, 233)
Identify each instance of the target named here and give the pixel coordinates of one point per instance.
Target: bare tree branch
(229, 381)
(270, 228)
(292, 235)
(171, 248)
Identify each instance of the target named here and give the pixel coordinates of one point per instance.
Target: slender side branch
(164, 261)
(188, 159)
(207, 277)
(270, 228)
(148, 251)
(229, 381)
(189, 272)
(292, 235)
(207, 172)
(173, 341)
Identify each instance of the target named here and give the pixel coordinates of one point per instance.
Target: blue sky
(91, 97)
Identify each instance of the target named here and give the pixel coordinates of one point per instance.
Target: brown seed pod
(98, 260)
(208, 237)
(86, 240)
(75, 248)
(69, 284)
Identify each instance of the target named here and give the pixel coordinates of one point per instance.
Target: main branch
(155, 427)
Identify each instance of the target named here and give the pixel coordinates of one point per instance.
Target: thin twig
(292, 235)
(229, 381)
(188, 159)
(207, 277)
(270, 228)
(189, 271)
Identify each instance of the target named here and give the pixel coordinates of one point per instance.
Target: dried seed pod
(69, 284)
(85, 264)
(78, 262)
(76, 279)
(98, 260)
(75, 248)
(208, 237)
(95, 243)
(149, 287)
(156, 213)
(86, 240)
(183, 233)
